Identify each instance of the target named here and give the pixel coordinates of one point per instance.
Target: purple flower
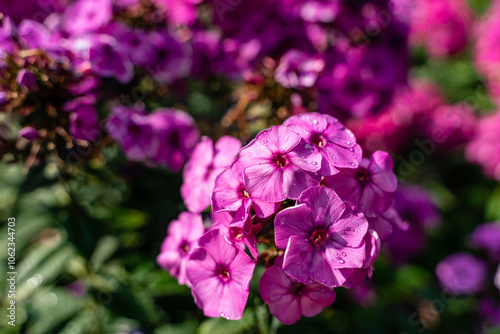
(336, 144)
(87, 15)
(34, 35)
(370, 187)
(107, 61)
(298, 70)
(220, 275)
(171, 59)
(415, 206)
(205, 164)
(131, 128)
(461, 273)
(26, 79)
(289, 299)
(487, 236)
(177, 136)
(183, 234)
(323, 238)
(136, 45)
(29, 133)
(84, 123)
(230, 195)
(278, 164)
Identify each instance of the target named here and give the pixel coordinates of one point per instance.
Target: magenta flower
(230, 195)
(372, 242)
(298, 69)
(182, 236)
(323, 238)
(487, 236)
(370, 187)
(289, 299)
(336, 144)
(107, 61)
(177, 136)
(84, 123)
(220, 275)
(461, 273)
(171, 60)
(278, 164)
(241, 236)
(131, 128)
(205, 164)
(87, 15)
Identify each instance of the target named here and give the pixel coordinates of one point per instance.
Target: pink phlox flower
(182, 236)
(336, 144)
(241, 235)
(205, 164)
(323, 238)
(279, 164)
(230, 195)
(370, 187)
(289, 299)
(220, 275)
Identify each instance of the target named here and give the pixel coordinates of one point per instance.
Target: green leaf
(106, 247)
(188, 327)
(52, 308)
(223, 326)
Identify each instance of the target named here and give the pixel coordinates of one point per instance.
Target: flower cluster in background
(314, 162)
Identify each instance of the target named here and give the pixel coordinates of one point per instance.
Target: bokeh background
(88, 232)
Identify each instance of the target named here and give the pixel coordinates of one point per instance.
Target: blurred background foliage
(87, 237)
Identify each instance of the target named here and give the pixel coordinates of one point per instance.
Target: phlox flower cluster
(300, 199)
(164, 137)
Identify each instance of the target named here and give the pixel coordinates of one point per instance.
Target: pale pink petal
(241, 269)
(305, 157)
(226, 150)
(342, 157)
(200, 266)
(226, 196)
(265, 182)
(218, 247)
(307, 124)
(264, 209)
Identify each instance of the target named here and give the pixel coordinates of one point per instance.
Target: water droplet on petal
(344, 254)
(341, 261)
(313, 162)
